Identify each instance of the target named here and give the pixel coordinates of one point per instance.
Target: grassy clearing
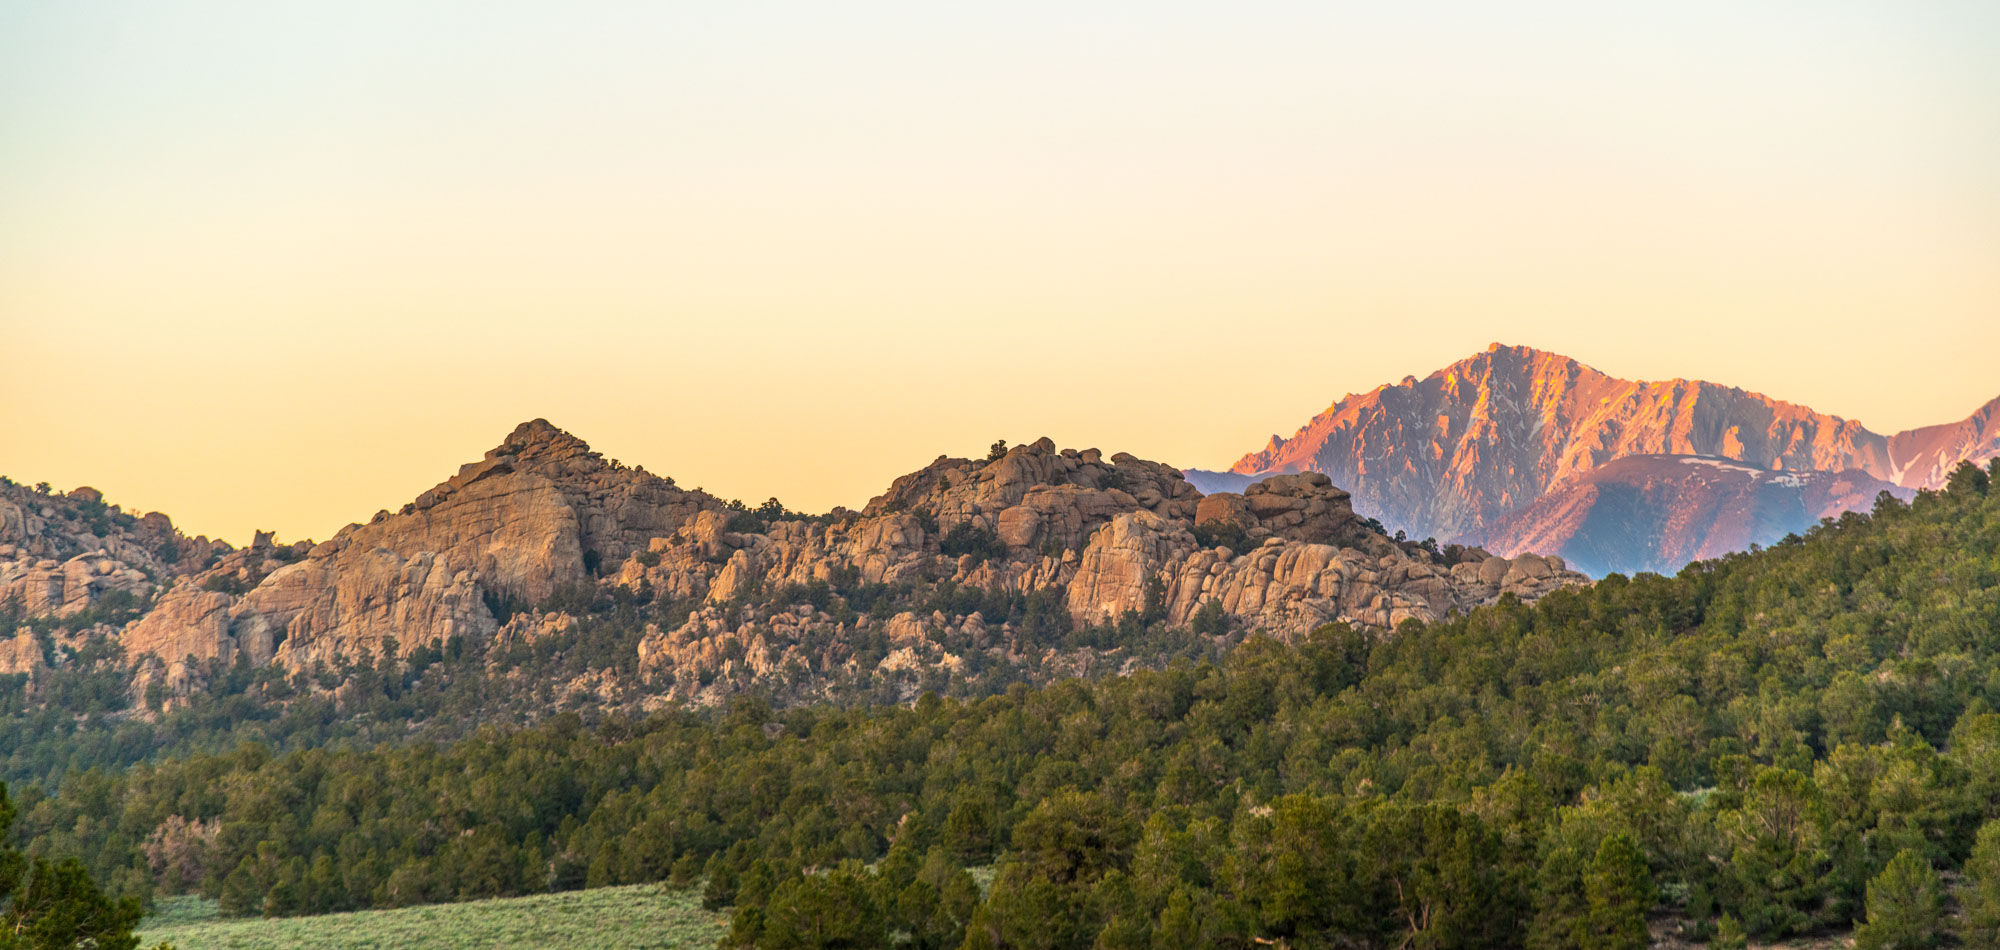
(644, 915)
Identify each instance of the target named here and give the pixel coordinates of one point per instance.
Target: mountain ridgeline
(963, 577)
(1503, 449)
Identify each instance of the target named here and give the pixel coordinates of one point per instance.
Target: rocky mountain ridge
(1456, 453)
(1025, 548)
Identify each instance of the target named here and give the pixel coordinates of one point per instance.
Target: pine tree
(1618, 888)
(57, 905)
(836, 909)
(1979, 891)
(1967, 479)
(1905, 910)
(1729, 934)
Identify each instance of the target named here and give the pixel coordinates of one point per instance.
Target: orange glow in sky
(267, 266)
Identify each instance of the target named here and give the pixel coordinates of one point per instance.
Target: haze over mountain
(1468, 453)
(1658, 512)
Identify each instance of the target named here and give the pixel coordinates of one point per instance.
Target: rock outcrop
(21, 653)
(1110, 538)
(538, 514)
(62, 553)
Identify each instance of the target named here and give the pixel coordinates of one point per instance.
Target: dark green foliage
(54, 904)
(1967, 479)
(1905, 906)
(1210, 619)
(1618, 889)
(58, 907)
(1751, 740)
(972, 538)
(229, 584)
(1444, 876)
(1979, 891)
(758, 520)
(1222, 534)
(1779, 854)
(834, 909)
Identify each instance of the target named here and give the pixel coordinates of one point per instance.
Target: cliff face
(1453, 454)
(524, 522)
(543, 520)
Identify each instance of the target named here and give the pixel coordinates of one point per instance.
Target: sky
(280, 265)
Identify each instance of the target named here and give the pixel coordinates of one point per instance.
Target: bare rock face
(377, 598)
(1925, 458)
(187, 623)
(529, 519)
(1121, 561)
(21, 653)
(1453, 454)
(1034, 496)
(1287, 586)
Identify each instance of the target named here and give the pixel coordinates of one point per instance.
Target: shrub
(974, 539)
(1223, 534)
(1905, 909)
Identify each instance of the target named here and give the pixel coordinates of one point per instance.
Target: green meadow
(638, 916)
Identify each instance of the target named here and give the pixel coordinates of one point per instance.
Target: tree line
(1776, 743)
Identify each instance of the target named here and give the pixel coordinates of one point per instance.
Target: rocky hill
(83, 567)
(1055, 560)
(61, 553)
(1456, 453)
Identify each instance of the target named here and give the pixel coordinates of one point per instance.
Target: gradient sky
(277, 265)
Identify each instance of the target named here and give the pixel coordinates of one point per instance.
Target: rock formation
(1106, 536)
(61, 553)
(1034, 556)
(532, 517)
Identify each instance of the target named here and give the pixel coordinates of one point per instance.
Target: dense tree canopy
(1758, 738)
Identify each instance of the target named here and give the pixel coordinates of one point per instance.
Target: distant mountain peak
(1451, 453)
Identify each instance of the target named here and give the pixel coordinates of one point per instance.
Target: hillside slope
(1753, 740)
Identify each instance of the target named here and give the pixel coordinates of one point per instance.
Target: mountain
(1455, 453)
(1658, 512)
(1924, 458)
(1034, 562)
